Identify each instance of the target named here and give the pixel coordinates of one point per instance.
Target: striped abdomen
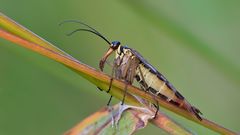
(157, 84)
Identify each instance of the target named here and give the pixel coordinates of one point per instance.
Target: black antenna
(94, 32)
(91, 30)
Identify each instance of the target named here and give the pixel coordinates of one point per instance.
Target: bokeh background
(195, 44)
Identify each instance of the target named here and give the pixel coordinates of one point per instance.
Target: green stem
(102, 80)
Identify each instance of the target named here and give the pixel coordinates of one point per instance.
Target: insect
(129, 65)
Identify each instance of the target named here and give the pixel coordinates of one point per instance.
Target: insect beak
(104, 58)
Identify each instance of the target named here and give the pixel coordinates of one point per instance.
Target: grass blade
(98, 78)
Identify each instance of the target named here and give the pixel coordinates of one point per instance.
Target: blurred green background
(195, 44)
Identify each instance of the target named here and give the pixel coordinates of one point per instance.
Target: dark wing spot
(196, 112)
(145, 65)
(153, 91)
(162, 96)
(179, 95)
(174, 103)
(137, 78)
(142, 82)
(161, 77)
(151, 71)
(170, 86)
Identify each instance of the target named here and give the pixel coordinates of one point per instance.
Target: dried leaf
(121, 119)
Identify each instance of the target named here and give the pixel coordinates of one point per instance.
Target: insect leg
(100, 89)
(126, 82)
(109, 100)
(131, 66)
(157, 108)
(146, 88)
(125, 92)
(112, 74)
(110, 84)
(143, 79)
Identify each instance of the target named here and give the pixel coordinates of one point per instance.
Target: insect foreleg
(110, 84)
(146, 88)
(112, 74)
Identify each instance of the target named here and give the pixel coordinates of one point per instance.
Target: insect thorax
(123, 50)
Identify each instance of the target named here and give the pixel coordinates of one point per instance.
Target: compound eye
(115, 44)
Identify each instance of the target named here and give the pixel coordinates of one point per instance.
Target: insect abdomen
(155, 85)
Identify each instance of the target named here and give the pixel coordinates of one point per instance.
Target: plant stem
(102, 80)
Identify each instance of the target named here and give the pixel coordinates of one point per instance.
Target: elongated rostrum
(129, 65)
